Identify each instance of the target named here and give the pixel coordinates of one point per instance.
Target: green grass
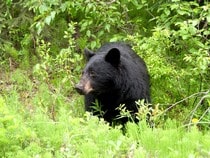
(38, 120)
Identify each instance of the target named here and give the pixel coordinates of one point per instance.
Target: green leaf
(93, 44)
(167, 12)
(88, 33)
(43, 8)
(49, 18)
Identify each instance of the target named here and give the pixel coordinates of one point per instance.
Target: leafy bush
(30, 133)
(177, 55)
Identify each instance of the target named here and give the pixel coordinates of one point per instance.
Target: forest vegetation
(41, 59)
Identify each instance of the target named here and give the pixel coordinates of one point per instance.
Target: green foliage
(40, 61)
(30, 133)
(94, 22)
(177, 55)
(12, 136)
(173, 142)
(189, 34)
(62, 66)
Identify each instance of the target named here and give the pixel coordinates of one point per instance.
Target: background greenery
(41, 47)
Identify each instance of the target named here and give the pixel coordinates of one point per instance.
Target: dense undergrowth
(39, 121)
(41, 59)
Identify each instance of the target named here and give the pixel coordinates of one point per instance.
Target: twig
(173, 105)
(196, 107)
(110, 2)
(207, 110)
(190, 124)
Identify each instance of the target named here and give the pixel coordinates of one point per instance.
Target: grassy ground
(41, 120)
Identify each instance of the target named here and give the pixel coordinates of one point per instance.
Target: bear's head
(100, 73)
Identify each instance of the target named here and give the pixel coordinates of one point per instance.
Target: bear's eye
(92, 73)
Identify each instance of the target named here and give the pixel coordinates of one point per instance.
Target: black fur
(117, 75)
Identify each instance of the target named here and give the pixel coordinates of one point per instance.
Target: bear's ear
(88, 54)
(113, 56)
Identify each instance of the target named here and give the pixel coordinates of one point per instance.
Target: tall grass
(37, 120)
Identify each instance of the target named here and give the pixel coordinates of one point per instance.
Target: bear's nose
(79, 88)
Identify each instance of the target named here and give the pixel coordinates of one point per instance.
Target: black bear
(113, 76)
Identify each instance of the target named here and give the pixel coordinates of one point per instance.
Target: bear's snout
(79, 88)
(84, 87)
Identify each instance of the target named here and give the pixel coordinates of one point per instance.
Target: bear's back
(134, 69)
(125, 50)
